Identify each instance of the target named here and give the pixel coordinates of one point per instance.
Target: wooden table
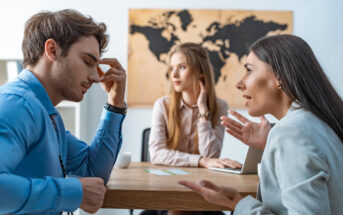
(134, 188)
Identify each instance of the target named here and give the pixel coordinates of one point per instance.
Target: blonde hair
(200, 65)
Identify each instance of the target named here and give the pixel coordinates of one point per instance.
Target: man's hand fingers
(113, 77)
(100, 72)
(93, 194)
(113, 62)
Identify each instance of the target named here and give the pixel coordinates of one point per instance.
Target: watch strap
(116, 109)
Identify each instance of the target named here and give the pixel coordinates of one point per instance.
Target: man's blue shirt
(31, 177)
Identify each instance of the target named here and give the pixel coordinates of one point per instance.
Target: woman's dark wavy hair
(65, 27)
(302, 77)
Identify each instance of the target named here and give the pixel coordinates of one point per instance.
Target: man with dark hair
(62, 53)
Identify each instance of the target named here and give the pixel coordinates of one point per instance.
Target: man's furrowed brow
(92, 57)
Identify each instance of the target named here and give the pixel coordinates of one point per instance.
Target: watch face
(206, 115)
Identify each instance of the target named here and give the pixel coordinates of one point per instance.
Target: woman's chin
(255, 113)
(178, 89)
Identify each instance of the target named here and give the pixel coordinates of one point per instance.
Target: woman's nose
(240, 85)
(175, 73)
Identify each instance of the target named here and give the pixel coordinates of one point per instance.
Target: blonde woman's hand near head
(202, 98)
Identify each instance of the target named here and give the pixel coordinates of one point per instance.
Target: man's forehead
(89, 46)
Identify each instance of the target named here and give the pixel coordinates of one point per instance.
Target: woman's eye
(182, 67)
(249, 72)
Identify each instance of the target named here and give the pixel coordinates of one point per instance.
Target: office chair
(145, 155)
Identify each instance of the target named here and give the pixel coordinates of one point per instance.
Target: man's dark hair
(302, 77)
(65, 27)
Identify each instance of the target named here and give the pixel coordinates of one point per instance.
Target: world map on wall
(226, 35)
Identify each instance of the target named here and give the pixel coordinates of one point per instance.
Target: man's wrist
(116, 102)
(115, 109)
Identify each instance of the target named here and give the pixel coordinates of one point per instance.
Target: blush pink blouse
(210, 139)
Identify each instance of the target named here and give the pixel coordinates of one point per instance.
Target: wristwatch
(206, 115)
(116, 109)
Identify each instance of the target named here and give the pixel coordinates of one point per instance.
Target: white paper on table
(167, 171)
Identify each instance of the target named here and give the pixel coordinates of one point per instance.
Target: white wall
(319, 22)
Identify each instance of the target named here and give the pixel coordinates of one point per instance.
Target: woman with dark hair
(301, 168)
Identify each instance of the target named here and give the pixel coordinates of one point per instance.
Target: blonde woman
(186, 129)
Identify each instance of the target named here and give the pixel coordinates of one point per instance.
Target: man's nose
(94, 76)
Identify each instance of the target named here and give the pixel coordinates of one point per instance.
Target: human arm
(211, 136)
(29, 190)
(98, 158)
(250, 133)
(161, 154)
(301, 173)
(225, 196)
(294, 161)
(219, 195)
(159, 151)
(211, 141)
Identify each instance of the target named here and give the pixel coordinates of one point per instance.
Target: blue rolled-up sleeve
(97, 160)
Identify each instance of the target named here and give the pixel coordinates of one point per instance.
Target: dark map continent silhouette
(231, 38)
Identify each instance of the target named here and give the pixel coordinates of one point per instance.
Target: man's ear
(50, 49)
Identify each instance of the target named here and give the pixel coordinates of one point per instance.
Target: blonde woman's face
(181, 75)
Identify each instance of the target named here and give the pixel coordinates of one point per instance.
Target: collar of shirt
(294, 106)
(183, 104)
(32, 81)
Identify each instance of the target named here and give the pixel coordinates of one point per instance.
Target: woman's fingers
(230, 163)
(264, 120)
(238, 116)
(236, 135)
(233, 126)
(202, 87)
(194, 186)
(234, 163)
(208, 184)
(229, 121)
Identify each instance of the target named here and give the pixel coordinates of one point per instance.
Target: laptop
(252, 158)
